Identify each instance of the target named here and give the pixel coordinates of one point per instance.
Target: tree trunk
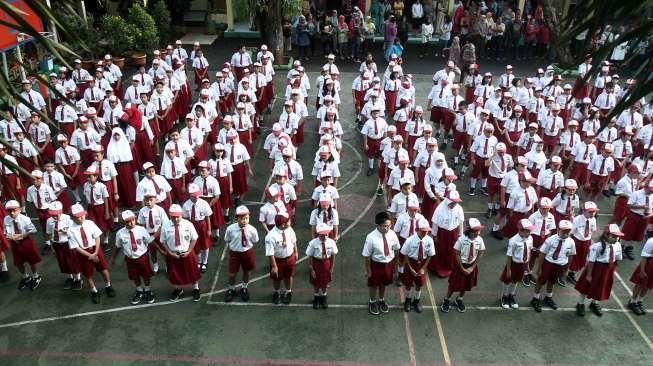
(270, 18)
(561, 45)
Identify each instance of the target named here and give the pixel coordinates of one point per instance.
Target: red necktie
(160, 105)
(611, 256)
(503, 163)
(324, 252)
(241, 60)
(487, 140)
(91, 198)
(441, 91)
(192, 212)
(61, 114)
(602, 168)
(607, 99)
(543, 228)
(177, 236)
(177, 148)
(464, 122)
(411, 230)
(29, 96)
(556, 252)
(528, 199)
(50, 180)
(415, 128)
(82, 233)
(16, 227)
(205, 189)
(92, 95)
(376, 128)
(553, 182)
(243, 237)
(587, 229)
(289, 171)
(231, 156)
(132, 239)
(455, 103)
(420, 251)
(135, 94)
(150, 219)
(428, 161)
(386, 248)
(190, 138)
(21, 147)
(283, 238)
(524, 255)
(156, 186)
(470, 256)
(86, 139)
(587, 150)
(173, 169)
(38, 198)
(571, 141)
(55, 238)
(568, 209)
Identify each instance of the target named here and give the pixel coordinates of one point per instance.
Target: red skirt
(245, 260)
(428, 206)
(419, 187)
(550, 272)
(300, 134)
(442, 262)
(24, 251)
(390, 102)
(77, 179)
(460, 281)
(579, 173)
(358, 99)
(48, 152)
(581, 90)
(66, 258)
(596, 183)
(322, 268)
(217, 219)
(579, 260)
(620, 209)
(285, 268)
(634, 227)
(516, 272)
(86, 156)
(510, 229)
(139, 268)
(9, 190)
(182, 271)
(144, 149)
(239, 179)
(408, 280)
(243, 137)
(225, 196)
(637, 278)
(203, 237)
(469, 94)
(88, 267)
(436, 114)
(381, 274)
(601, 286)
(177, 193)
(111, 199)
(96, 214)
(126, 184)
(67, 128)
(401, 129)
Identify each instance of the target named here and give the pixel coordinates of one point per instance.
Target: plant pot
(139, 59)
(119, 61)
(89, 65)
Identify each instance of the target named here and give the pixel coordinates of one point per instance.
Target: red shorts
(460, 139)
(182, 271)
(550, 272)
(381, 274)
(285, 268)
(460, 281)
(322, 268)
(634, 227)
(88, 267)
(66, 258)
(408, 279)
(479, 170)
(139, 268)
(620, 209)
(516, 272)
(637, 278)
(372, 147)
(245, 260)
(436, 114)
(24, 251)
(493, 185)
(239, 179)
(579, 173)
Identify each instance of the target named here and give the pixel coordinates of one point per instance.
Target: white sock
(581, 299)
(205, 256)
(505, 288)
(107, 284)
(472, 183)
(139, 289)
(495, 227)
(35, 275)
(93, 289)
(115, 219)
(370, 163)
(47, 243)
(196, 286)
(3, 266)
(147, 288)
(484, 182)
(244, 284)
(400, 269)
(536, 295)
(155, 266)
(490, 205)
(417, 294)
(77, 276)
(549, 294)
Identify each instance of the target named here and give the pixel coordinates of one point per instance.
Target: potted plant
(87, 46)
(144, 31)
(117, 38)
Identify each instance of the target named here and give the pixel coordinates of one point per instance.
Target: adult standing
(389, 35)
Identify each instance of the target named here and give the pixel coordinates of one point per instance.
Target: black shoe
(323, 302)
(286, 298)
(596, 308)
(548, 301)
(606, 193)
(47, 249)
(373, 308)
(460, 305)
(535, 303)
(472, 192)
(138, 297)
(640, 306)
(68, 284)
(407, 304)
(571, 277)
(445, 306)
(379, 191)
(317, 301)
(95, 297)
(383, 306)
(176, 294)
(149, 297)
(196, 295)
(370, 171)
(561, 282)
(4, 276)
(77, 285)
(484, 191)
(229, 295)
(227, 219)
(512, 302)
(244, 294)
(417, 305)
(504, 302)
(628, 252)
(497, 234)
(580, 309)
(35, 282)
(203, 268)
(110, 291)
(531, 279)
(276, 298)
(526, 280)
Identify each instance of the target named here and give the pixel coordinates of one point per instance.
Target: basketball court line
(409, 332)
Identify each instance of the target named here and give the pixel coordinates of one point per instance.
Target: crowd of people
(170, 157)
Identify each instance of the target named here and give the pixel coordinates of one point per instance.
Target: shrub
(163, 21)
(144, 30)
(115, 33)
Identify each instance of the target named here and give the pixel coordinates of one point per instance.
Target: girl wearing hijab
(143, 151)
(119, 152)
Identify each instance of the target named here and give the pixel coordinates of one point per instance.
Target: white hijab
(119, 150)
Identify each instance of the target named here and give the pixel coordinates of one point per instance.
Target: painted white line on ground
(409, 333)
(639, 330)
(438, 323)
(218, 270)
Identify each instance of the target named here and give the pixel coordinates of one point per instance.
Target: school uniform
(604, 264)
(417, 250)
(210, 189)
(240, 241)
(623, 150)
(134, 244)
(27, 153)
(174, 170)
(379, 248)
(57, 182)
(469, 251)
(623, 190)
(396, 175)
(330, 191)
(634, 228)
(550, 182)
(582, 235)
(399, 203)
(40, 133)
(199, 213)
(636, 277)
(177, 239)
(499, 165)
(200, 65)
(96, 195)
(84, 237)
(238, 155)
(519, 251)
(321, 254)
(57, 232)
(157, 184)
(375, 130)
(329, 217)
(268, 212)
(599, 169)
(281, 244)
(24, 250)
(9, 180)
(482, 149)
(564, 206)
(520, 204)
(41, 197)
(556, 257)
(85, 141)
(446, 224)
(152, 220)
(543, 226)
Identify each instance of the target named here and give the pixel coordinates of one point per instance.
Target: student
(240, 237)
(221, 169)
(322, 251)
(640, 210)
(239, 158)
(152, 216)
(178, 238)
(642, 277)
(56, 230)
(18, 229)
(416, 252)
(198, 211)
(517, 263)
(40, 195)
(378, 253)
(584, 227)
(555, 253)
(595, 281)
(210, 192)
(373, 132)
(469, 249)
(448, 221)
(281, 250)
(134, 241)
(84, 238)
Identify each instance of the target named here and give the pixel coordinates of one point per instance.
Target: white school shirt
(200, 62)
(510, 181)
(605, 101)
(464, 246)
(538, 220)
(241, 59)
(107, 170)
(330, 191)
(560, 203)
(516, 246)
(318, 215)
(79, 139)
(91, 231)
(269, 210)
(158, 214)
(25, 225)
(295, 171)
(141, 237)
(64, 113)
(60, 226)
(280, 243)
(233, 238)
(399, 202)
(549, 247)
(641, 198)
(209, 186)
(536, 160)
(517, 201)
(625, 186)
(647, 249)
(583, 153)
(240, 155)
(220, 168)
(622, 149)
(93, 94)
(549, 179)
(202, 210)
(552, 125)
(580, 222)
(314, 248)
(34, 98)
(569, 141)
(187, 234)
(448, 218)
(397, 174)
(608, 134)
(100, 193)
(594, 255)
(373, 247)
(628, 118)
(180, 168)
(402, 226)
(41, 196)
(480, 143)
(595, 165)
(411, 247)
(148, 184)
(495, 170)
(26, 148)
(368, 128)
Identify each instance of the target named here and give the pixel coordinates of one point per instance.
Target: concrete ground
(51, 326)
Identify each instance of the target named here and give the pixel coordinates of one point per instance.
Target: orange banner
(8, 34)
